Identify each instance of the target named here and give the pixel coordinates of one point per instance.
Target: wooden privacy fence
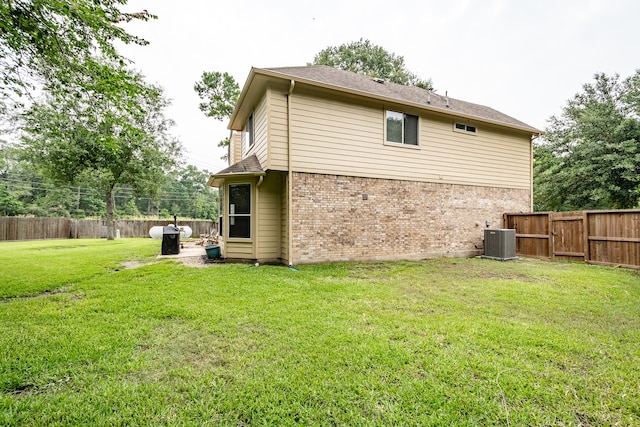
(597, 237)
(19, 228)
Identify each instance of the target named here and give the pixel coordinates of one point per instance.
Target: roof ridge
(327, 75)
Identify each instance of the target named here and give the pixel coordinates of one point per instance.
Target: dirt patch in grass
(128, 265)
(60, 291)
(55, 248)
(177, 346)
(195, 261)
(504, 276)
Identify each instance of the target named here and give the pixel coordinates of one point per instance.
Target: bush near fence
(20, 228)
(596, 237)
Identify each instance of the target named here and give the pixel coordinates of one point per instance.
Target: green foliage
(364, 57)
(220, 91)
(54, 42)
(225, 144)
(106, 138)
(590, 155)
(441, 342)
(128, 210)
(23, 191)
(10, 205)
(186, 194)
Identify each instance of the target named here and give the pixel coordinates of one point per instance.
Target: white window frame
(403, 143)
(231, 207)
(466, 129)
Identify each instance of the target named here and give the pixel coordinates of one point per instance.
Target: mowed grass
(84, 341)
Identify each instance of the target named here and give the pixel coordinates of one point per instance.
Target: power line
(87, 191)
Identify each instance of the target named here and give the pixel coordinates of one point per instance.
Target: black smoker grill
(170, 240)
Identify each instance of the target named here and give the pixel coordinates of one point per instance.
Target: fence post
(552, 252)
(585, 229)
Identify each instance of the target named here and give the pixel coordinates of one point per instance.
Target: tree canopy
(25, 191)
(93, 128)
(220, 91)
(53, 42)
(364, 57)
(79, 137)
(590, 155)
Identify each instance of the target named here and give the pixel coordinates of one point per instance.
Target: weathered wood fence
(596, 237)
(19, 228)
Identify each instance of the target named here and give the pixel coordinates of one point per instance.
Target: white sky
(525, 58)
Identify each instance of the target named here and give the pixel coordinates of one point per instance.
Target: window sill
(399, 145)
(465, 132)
(239, 240)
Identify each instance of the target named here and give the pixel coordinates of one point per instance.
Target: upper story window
(402, 128)
(248, 132)
(461, 127)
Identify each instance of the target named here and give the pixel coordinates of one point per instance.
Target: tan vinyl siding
(277, 130)
(268, 220)
(333, 136)
(235, 150)
(238, 250)
(259, 147)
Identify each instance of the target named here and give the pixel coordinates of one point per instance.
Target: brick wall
(340, 218)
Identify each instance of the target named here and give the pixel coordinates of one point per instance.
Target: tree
(590, 157)
(187, 194)
(53, 42)
(9, 203)
(103, 141)
(220, 91)
(364, 57)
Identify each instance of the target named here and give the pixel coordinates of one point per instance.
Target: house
(329, 165)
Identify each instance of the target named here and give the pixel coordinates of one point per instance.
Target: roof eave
(241, 98)
(216, 180)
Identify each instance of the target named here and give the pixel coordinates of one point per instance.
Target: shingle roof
(326, 75)
(250, 165)
(246, 167)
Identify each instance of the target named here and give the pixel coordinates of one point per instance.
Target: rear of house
(328, 165)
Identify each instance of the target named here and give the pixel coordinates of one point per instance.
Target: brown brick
(398, 219)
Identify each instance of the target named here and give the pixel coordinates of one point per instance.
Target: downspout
(256, 242)
(289, 178)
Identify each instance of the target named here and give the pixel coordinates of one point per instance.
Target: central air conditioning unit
(500, 244)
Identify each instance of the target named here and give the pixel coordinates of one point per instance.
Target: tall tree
(52, 42)
(364, 57)
(590, 156)
(220, 92)
(105, 141)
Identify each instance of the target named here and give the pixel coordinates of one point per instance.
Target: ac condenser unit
(500, 244)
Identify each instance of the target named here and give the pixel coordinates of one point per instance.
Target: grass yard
(86, 341)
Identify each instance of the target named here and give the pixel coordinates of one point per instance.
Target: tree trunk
(111, 227)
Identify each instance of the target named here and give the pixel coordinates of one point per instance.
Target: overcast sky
(523, 58)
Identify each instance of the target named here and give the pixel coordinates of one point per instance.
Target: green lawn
(85, 341)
